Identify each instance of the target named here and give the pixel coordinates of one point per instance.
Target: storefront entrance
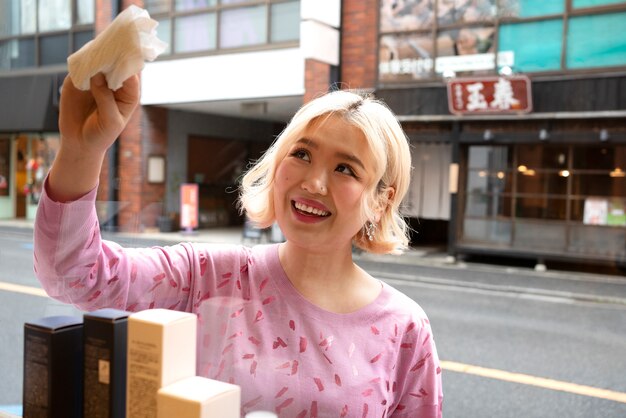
(25, 160)
(542, 199)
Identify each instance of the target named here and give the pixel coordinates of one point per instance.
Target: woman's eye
(346, 169)
(301, 154)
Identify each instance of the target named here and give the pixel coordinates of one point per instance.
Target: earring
(370, 230)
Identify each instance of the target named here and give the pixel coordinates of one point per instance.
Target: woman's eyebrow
(341, 155)
(307, 142)
(350, 157)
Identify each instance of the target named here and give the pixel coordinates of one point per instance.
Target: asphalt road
(500, 333)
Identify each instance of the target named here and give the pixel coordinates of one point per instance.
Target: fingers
(105, 101)
(127, 96)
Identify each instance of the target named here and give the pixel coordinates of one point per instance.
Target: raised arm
(89, 121)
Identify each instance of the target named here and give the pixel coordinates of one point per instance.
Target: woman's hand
(90, 121)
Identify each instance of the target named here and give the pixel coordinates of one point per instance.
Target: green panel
(596, 41)
(528, 8)
(536, 45)
(591, 3)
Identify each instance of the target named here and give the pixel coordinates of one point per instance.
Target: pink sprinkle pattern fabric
(255, 330)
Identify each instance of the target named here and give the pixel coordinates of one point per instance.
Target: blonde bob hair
(385, 139)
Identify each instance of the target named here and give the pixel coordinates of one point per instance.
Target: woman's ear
(383, 200)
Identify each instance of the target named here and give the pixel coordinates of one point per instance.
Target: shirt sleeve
(420, 372)
(75, 265)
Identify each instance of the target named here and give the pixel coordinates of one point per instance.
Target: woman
(299, 326)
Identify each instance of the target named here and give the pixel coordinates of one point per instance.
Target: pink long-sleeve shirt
(255, 330)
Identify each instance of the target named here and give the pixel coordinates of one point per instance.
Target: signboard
(616, 214)
(596, 211)
(188, 206)
(482, 95)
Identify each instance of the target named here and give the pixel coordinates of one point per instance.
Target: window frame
(172, 15)
(72, 33)
(387, 77)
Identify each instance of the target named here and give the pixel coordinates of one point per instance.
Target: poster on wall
(188, 206)
(596, 211)
(616, 215)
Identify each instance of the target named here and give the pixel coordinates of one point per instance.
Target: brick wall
(102, 20)
(154, 140)
(134, 192)
(359, 60)
(316, 79)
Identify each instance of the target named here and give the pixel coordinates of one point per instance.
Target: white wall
(258, 74)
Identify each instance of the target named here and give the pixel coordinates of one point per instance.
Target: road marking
(541, 382)
(606, 302)
(28, 290)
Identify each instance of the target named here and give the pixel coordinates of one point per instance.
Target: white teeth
(305, 208)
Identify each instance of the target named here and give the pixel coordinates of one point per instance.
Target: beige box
(199, 397)
(161, 351)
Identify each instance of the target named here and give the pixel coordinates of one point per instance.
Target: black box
(53, 367)
(105, 337)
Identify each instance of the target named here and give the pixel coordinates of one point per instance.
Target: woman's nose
(315, 185)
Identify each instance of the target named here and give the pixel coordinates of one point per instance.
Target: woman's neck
(330, 280)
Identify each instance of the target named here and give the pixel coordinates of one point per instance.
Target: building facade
(542, 182)
(232, 76)
(537, 173)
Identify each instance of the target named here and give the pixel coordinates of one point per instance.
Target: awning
(29, 103)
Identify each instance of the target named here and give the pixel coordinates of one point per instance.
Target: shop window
(537, 236)
(18, 18)
(243, 27)
(193, 26)
(457, 11)
(541, 207)
(542, 183)
(54, 15)
(36, 33)
(5, 166)
(465, 41)
(491, 158)
(157, 6)
(17, 53)
(540, 49)
(85, 12)
(484, 230)
(43, 152)
(597, 241)
(542, 157)
(483, 181)
(195, 33)
(592, 3)
(182, 5)
(164, 33)
(530, 8)
(81, 38)
(54, 49)
(588, 44)
(483, 205)
(285, 19)
(596, 210)
(407, 15)
(406, 57)
(600, 158)
(599, 184)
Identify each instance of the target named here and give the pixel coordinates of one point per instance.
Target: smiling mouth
(309, 210)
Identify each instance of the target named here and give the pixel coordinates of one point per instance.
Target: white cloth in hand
(119, 51)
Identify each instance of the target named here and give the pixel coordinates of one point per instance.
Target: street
(513, 343)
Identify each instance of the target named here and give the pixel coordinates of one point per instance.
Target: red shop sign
(480, 95)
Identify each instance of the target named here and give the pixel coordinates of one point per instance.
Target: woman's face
(320, 185)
